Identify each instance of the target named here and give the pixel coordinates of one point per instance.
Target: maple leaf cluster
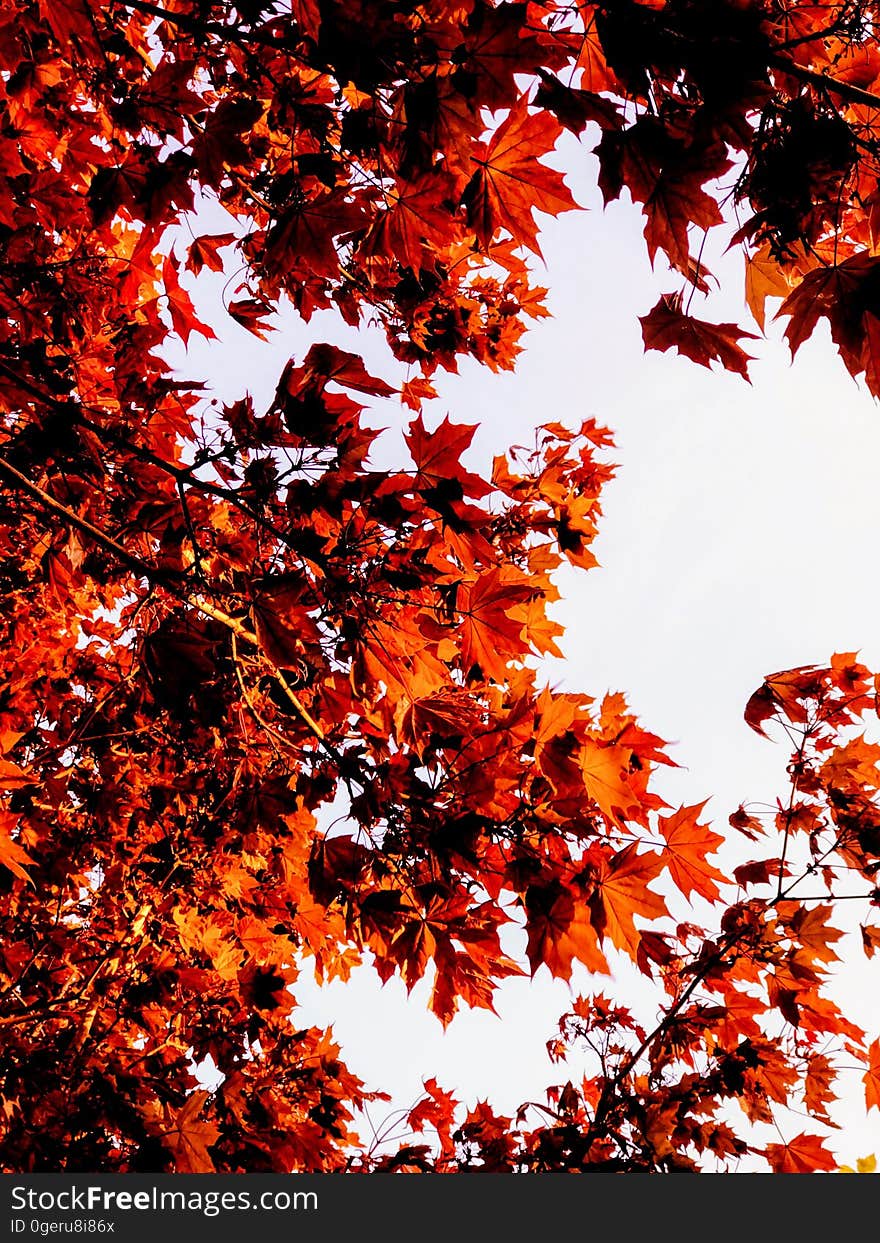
(220, 621)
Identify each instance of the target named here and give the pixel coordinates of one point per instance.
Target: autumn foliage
(220, 620)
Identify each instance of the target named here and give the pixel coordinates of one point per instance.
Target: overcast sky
(739, 538)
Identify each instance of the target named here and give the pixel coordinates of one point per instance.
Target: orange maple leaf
(490, 637)
(559, 932)
(817, 1087)
(511, 182)
(437, 455)
(189, 1138)
(687, 845)
(414, 392)
(418, 218)
(305, 235)
(783, 692)
(603, 770)
(597, 76)
(622, 892)
(805, 1154)
(765, 278)
(870, 940)
(12, 855)
(871, 1078)
(811, 930)
(203, 252)
(12, 777)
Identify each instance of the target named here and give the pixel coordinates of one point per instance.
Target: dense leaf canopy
(219, 620)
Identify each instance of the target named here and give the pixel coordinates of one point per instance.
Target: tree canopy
(220, 620)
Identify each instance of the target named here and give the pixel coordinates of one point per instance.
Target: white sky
(739, 538)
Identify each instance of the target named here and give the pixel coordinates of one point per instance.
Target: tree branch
(823, 81)
(166, 579)
(199, 27)
(47, 502)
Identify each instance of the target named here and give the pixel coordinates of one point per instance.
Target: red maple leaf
(511, 181)
(667, 326)
(183, 313)
(805, 1154)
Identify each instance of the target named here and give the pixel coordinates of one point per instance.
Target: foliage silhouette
(219, 620)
